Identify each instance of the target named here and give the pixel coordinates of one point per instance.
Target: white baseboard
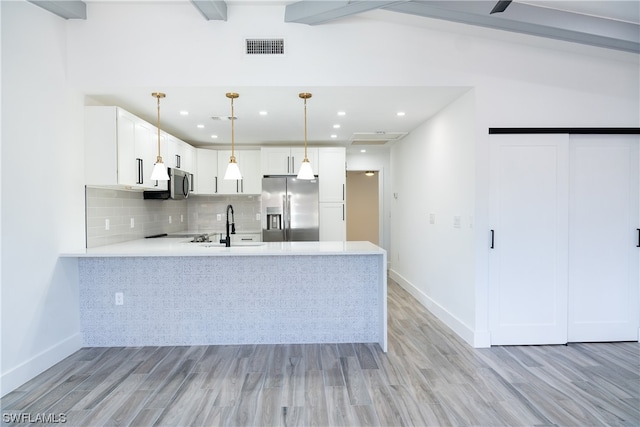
(473, 338)
(15, 377)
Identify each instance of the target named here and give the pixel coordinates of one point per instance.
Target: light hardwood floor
(428, 377)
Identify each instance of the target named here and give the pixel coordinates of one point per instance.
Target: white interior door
(603, 257)
(528, 261)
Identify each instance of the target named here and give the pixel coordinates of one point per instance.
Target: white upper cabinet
(206, 173)
(180, 155)
(120, 149)
(286, 160)
(332, 174)
(249, 163)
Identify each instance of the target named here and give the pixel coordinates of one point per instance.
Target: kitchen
(50, 86)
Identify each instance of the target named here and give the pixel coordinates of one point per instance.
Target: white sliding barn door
(528, 216)
(603, 257)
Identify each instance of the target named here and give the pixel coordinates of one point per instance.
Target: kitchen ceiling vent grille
(264, 46)
(375, 138)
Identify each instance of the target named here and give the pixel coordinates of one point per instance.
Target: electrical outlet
(106, 224)
(432, 218)
(257, 217)
(133, 224)
(457, 221)
(181, 218)
(170, 219)
(219, 217)
(119, 298)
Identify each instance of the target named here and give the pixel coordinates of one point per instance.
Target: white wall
(42, 194)
(48, 62)
(433, 214)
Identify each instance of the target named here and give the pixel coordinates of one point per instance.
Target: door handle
(140, 174)
(493, 234)
(185, 186)
(638, 245)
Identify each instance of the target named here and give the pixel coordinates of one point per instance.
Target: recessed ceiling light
(400, 113)
(336, 126)
(200, 126)
(363, 151)
(214, 136)
(263, 113)
(334, 136)
(342, 113)
(184, 113)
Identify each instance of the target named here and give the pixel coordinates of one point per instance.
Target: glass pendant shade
(159, 172)
(305, 171)
(233, 171)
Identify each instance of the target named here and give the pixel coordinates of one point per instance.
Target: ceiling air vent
(264, 46)
(375, 138)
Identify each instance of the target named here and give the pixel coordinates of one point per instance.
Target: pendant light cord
(305, 128)
(305, 96)
(233, 119)
(158, 95)
(159, 158)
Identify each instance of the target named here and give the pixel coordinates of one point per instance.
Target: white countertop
(171, 246)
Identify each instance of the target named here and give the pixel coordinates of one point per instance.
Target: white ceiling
(367, 110)
(370, 110)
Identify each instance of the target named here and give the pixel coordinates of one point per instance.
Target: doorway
(363, 212)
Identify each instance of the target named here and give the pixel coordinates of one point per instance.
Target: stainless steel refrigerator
(289, 209)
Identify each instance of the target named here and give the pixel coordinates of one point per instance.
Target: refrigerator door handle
(285, 221)
(288, 235)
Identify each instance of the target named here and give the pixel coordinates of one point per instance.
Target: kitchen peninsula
(171, 292)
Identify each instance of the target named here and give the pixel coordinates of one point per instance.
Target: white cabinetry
(286, 160)
(120, 149)
(332, 221)
(332, 193)
(180, 155)
(206, 173)
(246, 237)
(249, 163)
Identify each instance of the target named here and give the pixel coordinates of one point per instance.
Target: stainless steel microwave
(180, 184)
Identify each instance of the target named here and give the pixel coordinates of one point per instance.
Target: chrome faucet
(227, 240)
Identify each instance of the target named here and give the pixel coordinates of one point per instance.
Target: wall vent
(264, 46)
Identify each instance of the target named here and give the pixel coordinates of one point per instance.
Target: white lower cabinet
(332, 221)
(563, 263)
(246, 237)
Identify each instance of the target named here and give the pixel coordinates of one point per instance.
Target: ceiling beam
(212, 10)
(313, 12)
(67, 9)
(532, 20)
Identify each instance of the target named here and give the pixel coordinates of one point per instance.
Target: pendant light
(233, 171)
(305, 171)
(159, 172)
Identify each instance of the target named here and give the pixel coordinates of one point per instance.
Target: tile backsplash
(198, 213)
(204, 211)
